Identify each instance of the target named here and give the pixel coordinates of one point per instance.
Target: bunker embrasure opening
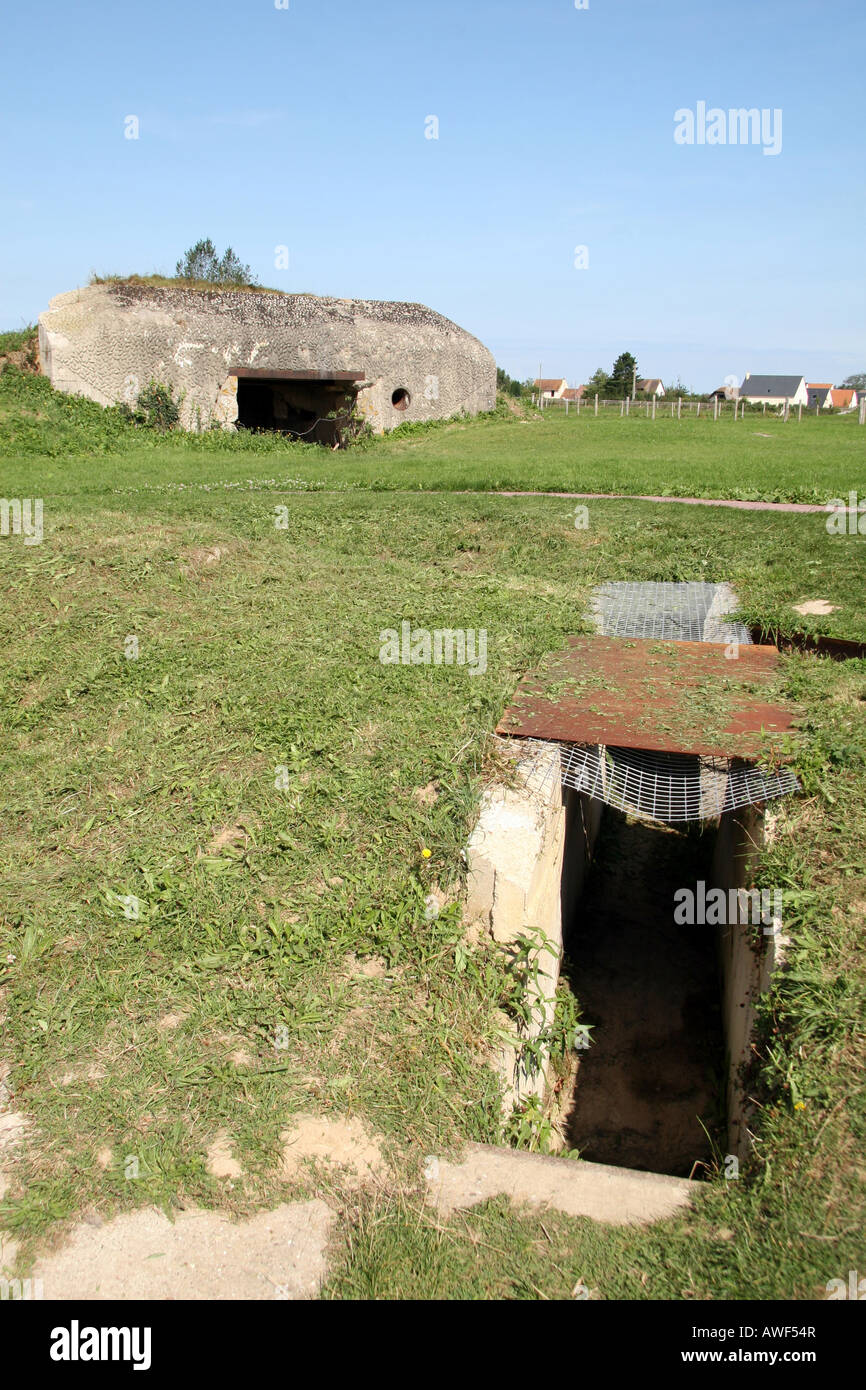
(310, 406)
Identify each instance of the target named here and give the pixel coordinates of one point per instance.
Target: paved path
(687, 501)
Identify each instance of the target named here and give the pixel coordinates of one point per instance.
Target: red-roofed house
(551, 387)
(840, 398)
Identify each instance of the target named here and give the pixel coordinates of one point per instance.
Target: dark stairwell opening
(649, 1091)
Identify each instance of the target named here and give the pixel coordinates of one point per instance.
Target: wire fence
(668, 407)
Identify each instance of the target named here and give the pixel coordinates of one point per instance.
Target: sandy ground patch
(220, 1161)
(818, 606)
(201, 1255)
(345, 1143)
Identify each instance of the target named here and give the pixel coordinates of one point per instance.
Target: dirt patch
(200, 1255)
(427, 796)
(201, 558)
(26, 359)
(13, 1127)
(169, 1022)
(91, 1071)
(819, 606)
(229, 835)
(371, 967)
(220, 1161)
(344, 1143)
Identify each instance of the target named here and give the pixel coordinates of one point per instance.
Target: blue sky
(305, 127)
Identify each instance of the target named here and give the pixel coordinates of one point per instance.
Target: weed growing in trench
(528, 1127)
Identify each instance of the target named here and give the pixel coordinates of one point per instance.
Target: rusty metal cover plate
(671, 697)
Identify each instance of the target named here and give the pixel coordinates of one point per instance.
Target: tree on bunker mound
(202, 262)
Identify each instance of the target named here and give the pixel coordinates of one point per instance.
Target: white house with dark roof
(651, 386)
(817, 393)
(774, 390)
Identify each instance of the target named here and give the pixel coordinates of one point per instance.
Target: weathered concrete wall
(527, 859)
(107, 341)
(748, 955)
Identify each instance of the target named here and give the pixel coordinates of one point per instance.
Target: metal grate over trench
(669, 787)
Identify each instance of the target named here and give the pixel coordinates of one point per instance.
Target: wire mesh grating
(669, 787)
(673, 612)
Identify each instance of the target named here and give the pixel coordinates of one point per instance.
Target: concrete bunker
(264, 359)
(594, 847)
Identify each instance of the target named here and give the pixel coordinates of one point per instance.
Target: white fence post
(654, 406)
(596, 402)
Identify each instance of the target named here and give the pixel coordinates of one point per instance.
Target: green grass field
(48, 438)
(263, 894)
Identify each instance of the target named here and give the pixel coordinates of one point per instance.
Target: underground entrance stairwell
(650, 1090)
(626, 794)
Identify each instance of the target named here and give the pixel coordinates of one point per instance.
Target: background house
(817, 393)
(573, 393)
(550, 387)
(841, 398)
(774, 390)
(651, 386)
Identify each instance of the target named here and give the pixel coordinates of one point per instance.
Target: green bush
(155, 408)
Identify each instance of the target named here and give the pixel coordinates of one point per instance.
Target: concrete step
(619, 1196)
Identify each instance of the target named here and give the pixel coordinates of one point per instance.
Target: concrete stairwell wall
(527, 859)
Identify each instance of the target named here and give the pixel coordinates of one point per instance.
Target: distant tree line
(510, 386)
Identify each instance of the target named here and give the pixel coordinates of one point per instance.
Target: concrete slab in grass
(200, 1255)
(618, 1196)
